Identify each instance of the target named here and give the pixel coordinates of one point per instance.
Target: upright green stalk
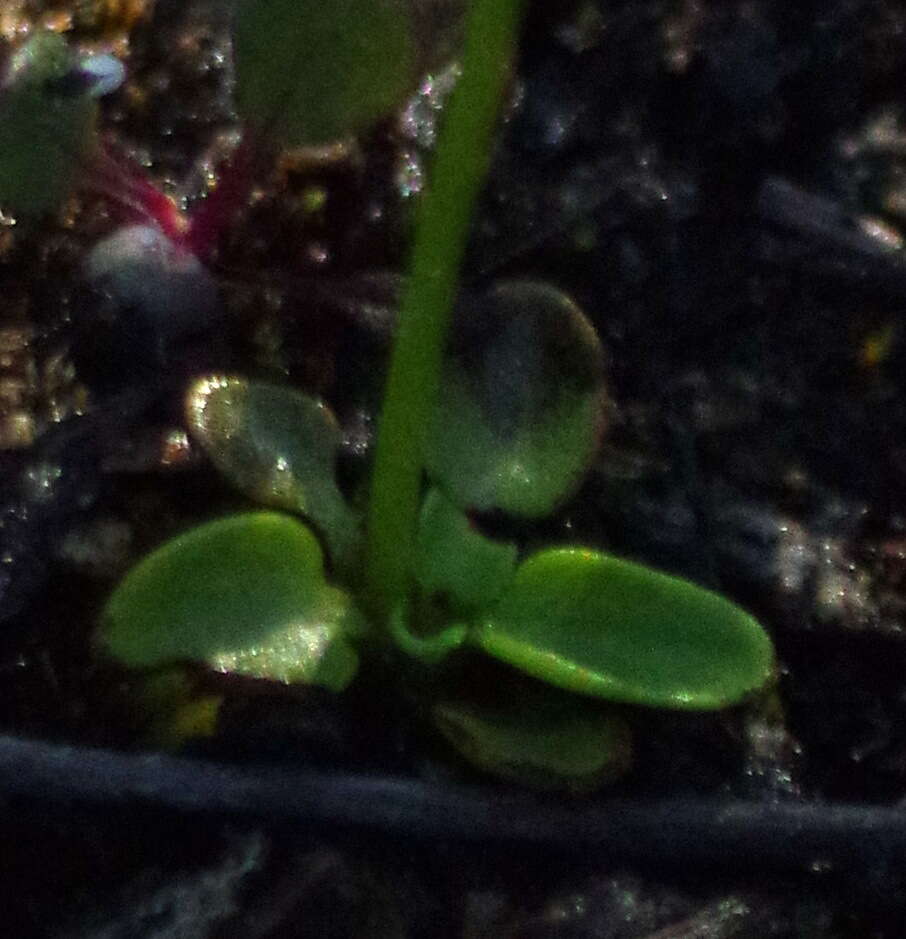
(442, 226)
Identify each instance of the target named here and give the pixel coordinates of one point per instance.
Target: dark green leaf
(540, 741)
(522, 405)
(601, 626)
(279, 447)
(244, 595)
(308, 73)
(455, 560)
(45, 134)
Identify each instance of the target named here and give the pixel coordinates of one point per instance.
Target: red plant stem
(212, 217)
(119, 178)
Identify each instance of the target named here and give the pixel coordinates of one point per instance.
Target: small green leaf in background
(456, 561)
(174, 713)
(521, 405)
(605, 627)
(308, 73)
(243, 595)
(278, 447)
(552, 743)
(46, 133)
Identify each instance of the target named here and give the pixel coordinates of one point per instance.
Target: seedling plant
(494, 406)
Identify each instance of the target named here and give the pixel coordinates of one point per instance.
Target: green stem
(441, 230)
(426, 649)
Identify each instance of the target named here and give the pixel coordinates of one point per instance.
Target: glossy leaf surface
(601, 626)
(244, 595)
(521, 407)
(547, 744)
(45, 128)
(455, 560)
(277, 446)
(310, 73)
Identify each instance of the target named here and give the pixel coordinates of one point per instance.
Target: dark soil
(721, 186)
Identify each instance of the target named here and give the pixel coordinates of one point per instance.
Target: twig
(684, 833)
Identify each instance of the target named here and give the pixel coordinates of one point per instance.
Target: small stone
(17, 431)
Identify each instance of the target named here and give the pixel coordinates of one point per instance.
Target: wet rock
(148, 295)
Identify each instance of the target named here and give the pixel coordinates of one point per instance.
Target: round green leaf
(46, 132)
(521, 406)
(244, 595)
(600, 626)
(455, 560)
(279, 447)
(547, 744)
(308, 73)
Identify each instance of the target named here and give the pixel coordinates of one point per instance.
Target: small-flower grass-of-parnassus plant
(492, 406)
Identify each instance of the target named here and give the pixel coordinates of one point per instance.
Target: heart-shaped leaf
(458, 562)
(46, 128)
(279, 447)
(244, 595)
(309, 73)
(521, 407)
(605, 627)
(546, 743)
